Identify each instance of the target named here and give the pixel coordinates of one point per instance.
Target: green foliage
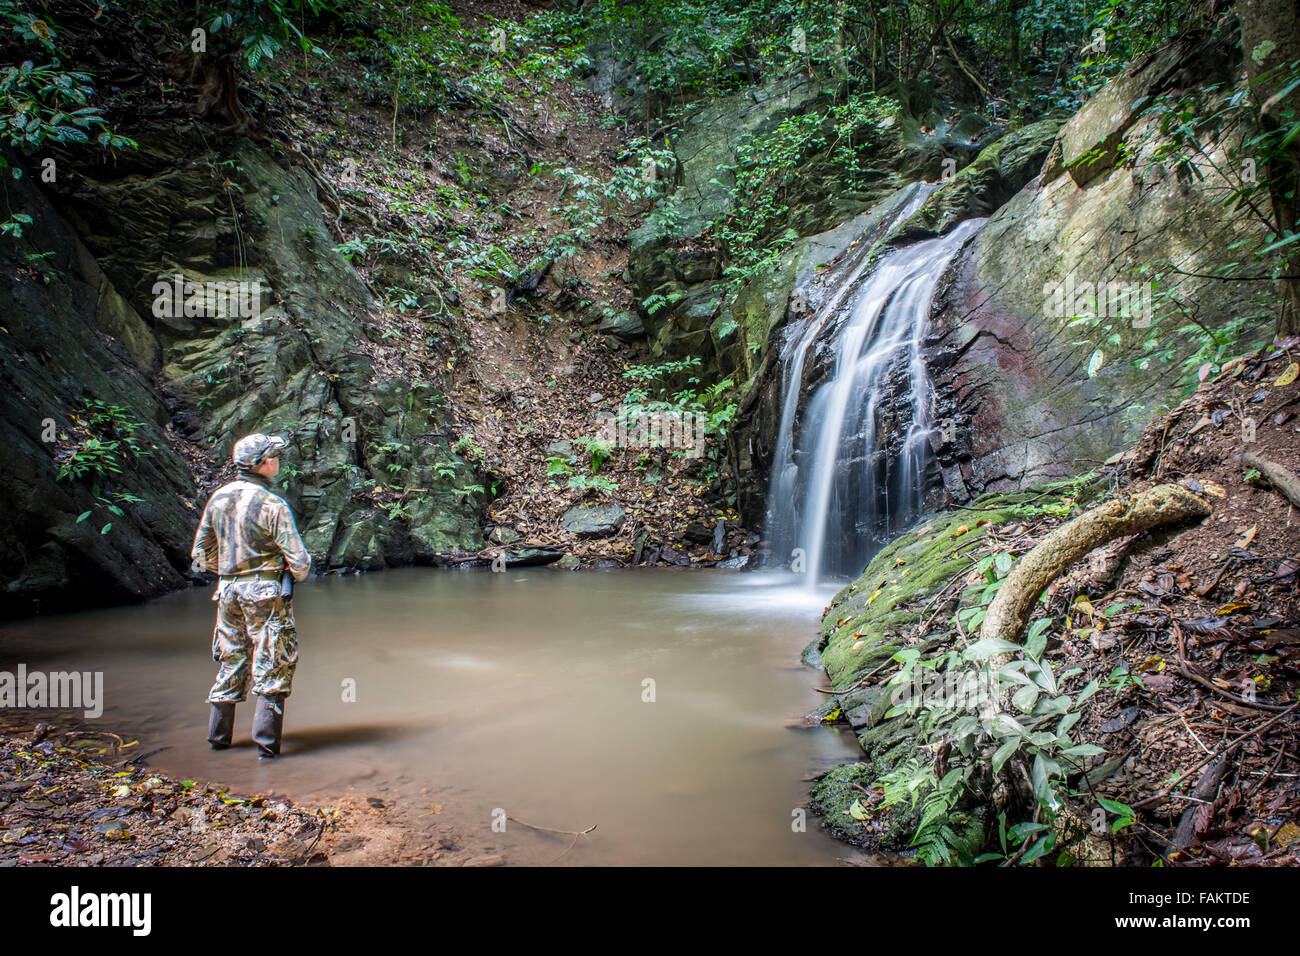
(109, 447)
(465, 446)
(1046, 53)
(255, 30)
(395, 510)
(597, 450)
(752, 235)
(420, 53)
(711, 406)
(111, 441)
(592, 483)
(558, 466)
(588, 202)
(955, 707)
(46, 104)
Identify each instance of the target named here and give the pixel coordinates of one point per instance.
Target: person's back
(247, 528)
(248, 536)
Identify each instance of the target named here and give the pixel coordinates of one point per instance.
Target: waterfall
(832, 492)
(781, 527)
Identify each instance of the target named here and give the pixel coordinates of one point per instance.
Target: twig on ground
(1223, 751)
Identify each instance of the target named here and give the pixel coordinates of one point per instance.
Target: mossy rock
(834, 794)
(874, 617)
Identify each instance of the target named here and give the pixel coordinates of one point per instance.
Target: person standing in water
(249, 538)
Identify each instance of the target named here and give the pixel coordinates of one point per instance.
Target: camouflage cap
(251, 450)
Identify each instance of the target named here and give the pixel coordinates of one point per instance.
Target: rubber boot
(221, 725)
(268, 723)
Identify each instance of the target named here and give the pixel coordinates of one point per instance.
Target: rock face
(594, 521)
(669, 258)
(1032, 394)
(662, 258)
(83, 325)
(69, 335)
(999, 172)
(1027, 384)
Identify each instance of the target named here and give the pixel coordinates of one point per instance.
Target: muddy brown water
(521, 694)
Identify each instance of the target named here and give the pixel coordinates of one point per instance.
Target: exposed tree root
(1283, 479)
(1011, 609)
(1162, 505)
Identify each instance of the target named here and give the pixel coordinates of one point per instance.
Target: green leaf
(1036, 640)
(1025, 697)
(1114, 806)
(1043, 771)
(1004, 725)
(1045, 679)
(1003, 563)
(1083, 750)
(83, 516)
(989, 647)
(1040, 846)
(1293, 237)
(1023, 831)
(1003, 753)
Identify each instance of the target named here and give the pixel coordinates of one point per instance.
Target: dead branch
(1221, 752)
(1283, 479)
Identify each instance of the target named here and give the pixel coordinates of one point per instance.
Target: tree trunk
(218, 99)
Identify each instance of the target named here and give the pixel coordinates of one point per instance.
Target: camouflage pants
(254, 627)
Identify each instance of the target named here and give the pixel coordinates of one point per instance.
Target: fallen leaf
(1158, 683)
(1156, 663)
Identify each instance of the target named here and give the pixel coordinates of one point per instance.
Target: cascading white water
(781, 526)
(830, 494)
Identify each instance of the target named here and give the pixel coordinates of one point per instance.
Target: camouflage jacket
(246, 527)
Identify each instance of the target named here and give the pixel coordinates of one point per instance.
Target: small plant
(558, 466)
(465, 446)
(596, 448)
(1120, 678)
(585, 483)
(111, 440)
(396, 510)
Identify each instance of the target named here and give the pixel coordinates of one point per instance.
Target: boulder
(593, 521)
(1040, 389)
